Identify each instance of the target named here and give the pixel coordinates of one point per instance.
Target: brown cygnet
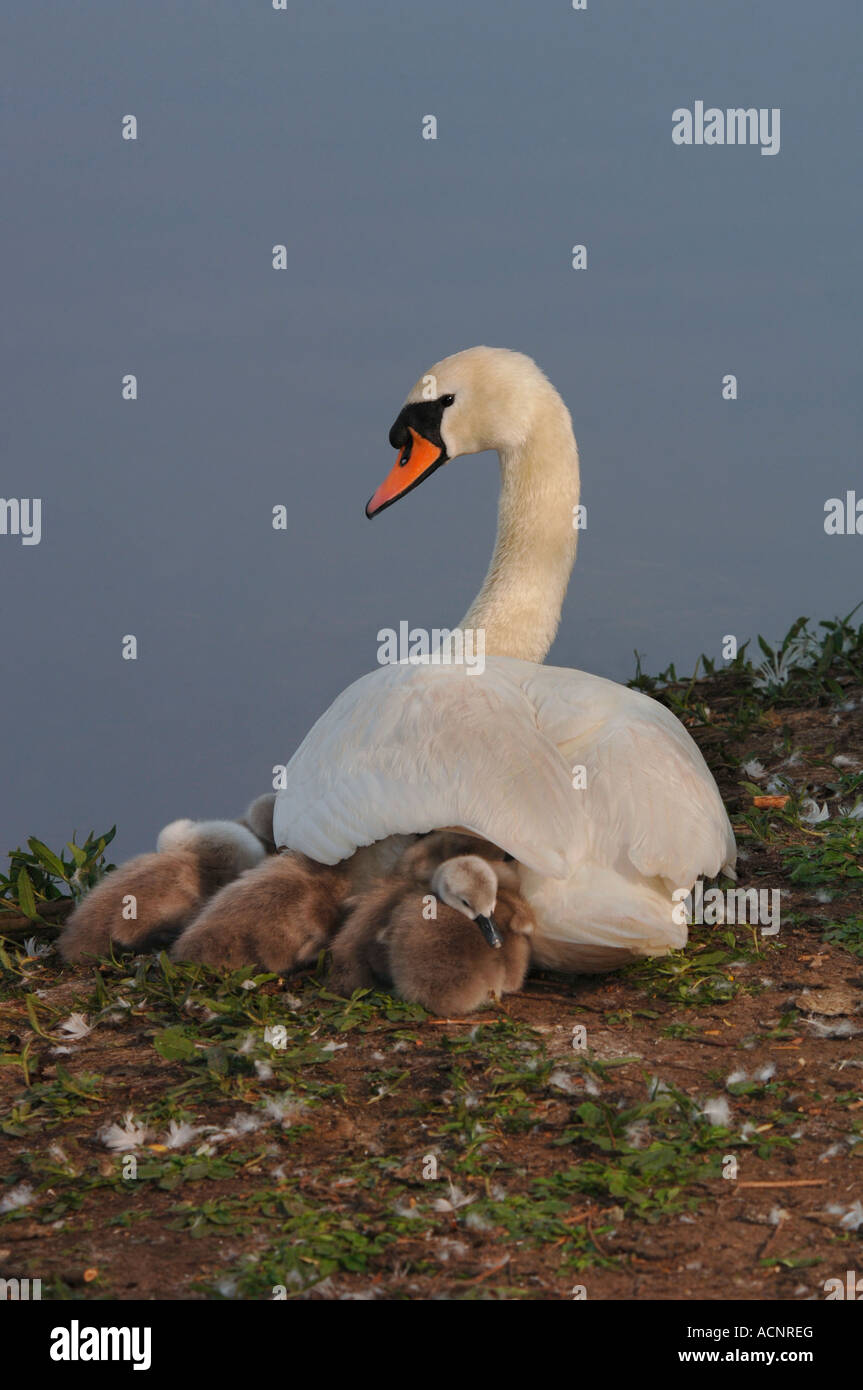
(277, 916)
(144, 904)
(452, 949)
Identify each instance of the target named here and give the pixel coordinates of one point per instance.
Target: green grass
(847, 934)
(704, 974)
(832, 856)
(37, 876)
(806, 666)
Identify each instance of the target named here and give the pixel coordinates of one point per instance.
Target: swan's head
(482, 398)
(469, 884)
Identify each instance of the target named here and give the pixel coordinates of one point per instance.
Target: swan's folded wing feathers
(649, 793)
(648, 798)
(408, 749)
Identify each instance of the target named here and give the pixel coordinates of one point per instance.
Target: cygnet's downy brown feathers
(277, 916)
(447, 966)
(427, 946)
(419, 862)
(259, 819)
(365, 967)
(147, 902)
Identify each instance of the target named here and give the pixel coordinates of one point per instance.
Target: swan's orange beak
(416, 461)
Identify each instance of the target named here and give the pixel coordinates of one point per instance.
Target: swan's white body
(411, 748)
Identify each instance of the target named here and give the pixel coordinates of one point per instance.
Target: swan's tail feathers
(601, 919)
(578, 957)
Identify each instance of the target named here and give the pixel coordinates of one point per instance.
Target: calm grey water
(259, 387)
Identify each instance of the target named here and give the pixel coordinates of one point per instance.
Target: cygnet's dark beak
(490, 932)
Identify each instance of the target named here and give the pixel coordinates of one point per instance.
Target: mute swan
(164, 890)
(278, 916)
(438, 961)
(408, 748)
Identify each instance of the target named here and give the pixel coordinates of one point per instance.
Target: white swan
(411, 748)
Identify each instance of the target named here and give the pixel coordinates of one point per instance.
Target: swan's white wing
(649, 795)
(412, 748)
(408, 749)
(663, 807)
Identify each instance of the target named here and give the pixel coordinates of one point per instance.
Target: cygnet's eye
(447, 400)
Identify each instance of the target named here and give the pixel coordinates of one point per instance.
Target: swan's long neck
(522, 595)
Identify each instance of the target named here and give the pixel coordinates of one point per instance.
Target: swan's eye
(447, 400)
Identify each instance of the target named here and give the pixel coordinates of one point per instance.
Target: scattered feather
(131, 1134)
(850, 1219)
(717, 1111)
(18, 1196)
(406, 1209)
(287, 1110)
(243, 1122)
(455, 1201)
(562, 1081)
(475, 1221)
(181, 1134)
(75, 1026)
(35, 948)
(836, 1028)
(446, 1247)
(638, 1134)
